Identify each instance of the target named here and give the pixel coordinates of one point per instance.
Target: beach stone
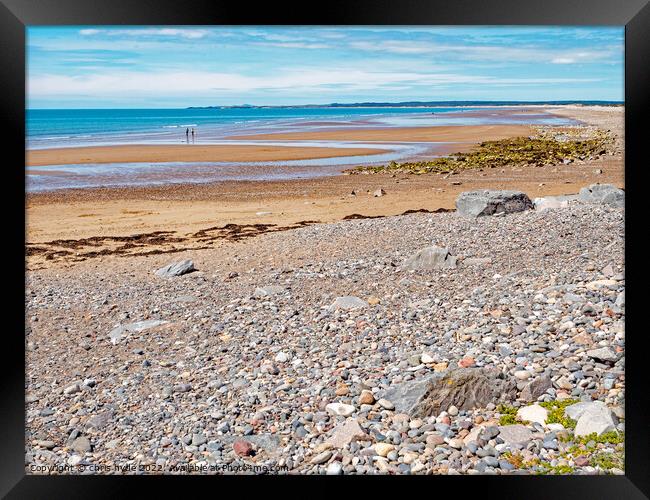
(594, 416)
(45, 444)
(379, 192)
(533, 413)
(100, 420)
(117, 333)
(620, 299)
(431, 258)
(536, 388)
(340, 409)
(386, 404)
(490, 202)
(515, 434)
(71, 389)
(427, 358)
(321, 458)
(366, 398)
(334, 469)
(474, 434)
(603, 193)
(383, 449)
(434, 439)
(348, 303)
(81, 445)
(464, 388)
(550, 202)
(176, 269)
(267, 291)
(282, 357)
(242, 448)
(603, 354)
(346, 432)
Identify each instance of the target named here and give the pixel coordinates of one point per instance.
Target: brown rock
(366, 398)
(342, 390)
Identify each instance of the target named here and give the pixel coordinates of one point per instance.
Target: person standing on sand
(187, 134)
(192, 135)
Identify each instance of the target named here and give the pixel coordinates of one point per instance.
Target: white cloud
(192, 84)
(563, 60)
(189, 33)
(293, 45)
(490, 52)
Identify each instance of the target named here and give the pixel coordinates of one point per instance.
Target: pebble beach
(429, 342)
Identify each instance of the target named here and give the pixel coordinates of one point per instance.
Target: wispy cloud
(304, 81)
(148, 32)
(276, 65)
(478, 52)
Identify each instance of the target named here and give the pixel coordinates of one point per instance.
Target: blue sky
(167, 67)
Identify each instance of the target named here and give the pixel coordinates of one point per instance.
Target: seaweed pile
(540, 150)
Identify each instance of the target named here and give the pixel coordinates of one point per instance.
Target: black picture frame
(15, 15)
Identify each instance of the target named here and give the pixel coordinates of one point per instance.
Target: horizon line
(359, 104)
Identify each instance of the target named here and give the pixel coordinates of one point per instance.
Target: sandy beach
(186, 152)
(185, 209)
(458, 133)
(461, 136)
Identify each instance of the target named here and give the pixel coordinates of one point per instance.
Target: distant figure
(187, 134)
(192, 135)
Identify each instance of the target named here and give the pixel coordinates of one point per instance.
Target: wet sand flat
(184, 153)
(454, 133)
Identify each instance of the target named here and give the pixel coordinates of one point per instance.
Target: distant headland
(415, 104)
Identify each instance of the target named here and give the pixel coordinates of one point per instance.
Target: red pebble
(466, 362)
(242, 448)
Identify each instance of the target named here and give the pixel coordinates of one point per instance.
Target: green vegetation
(556, 412)
(608, 461)
(508, 414)
(611, 437)
(519, 151)
(547, 468)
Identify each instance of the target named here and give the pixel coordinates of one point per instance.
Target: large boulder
(489, 202)
(431, 258)
(603, 193)
(464, 388)
(592, 417)
(176, 269)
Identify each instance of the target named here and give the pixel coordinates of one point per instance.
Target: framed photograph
(375, 240)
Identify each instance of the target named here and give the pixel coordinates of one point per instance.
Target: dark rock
(489, 202)
(464, 388)
(176, 269)
(536, 388)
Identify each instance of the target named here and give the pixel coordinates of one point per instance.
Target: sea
(57, 128)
